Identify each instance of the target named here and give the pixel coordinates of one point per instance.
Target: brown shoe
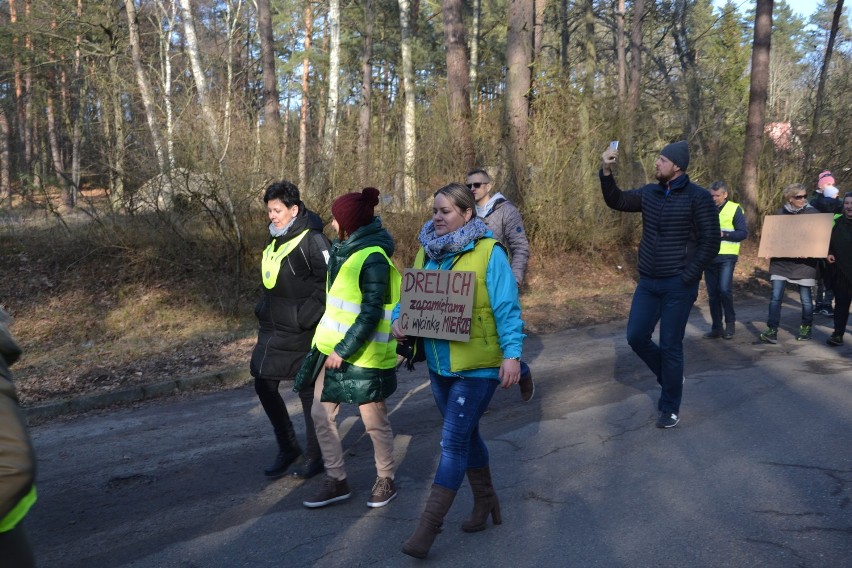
(384, 491)
(527, 386)
(331, 491)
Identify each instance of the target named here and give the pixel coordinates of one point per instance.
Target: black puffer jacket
(351, 384)
(825, 204)
(680, 231)
(289, 312)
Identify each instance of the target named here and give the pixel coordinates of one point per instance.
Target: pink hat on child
(825, 179)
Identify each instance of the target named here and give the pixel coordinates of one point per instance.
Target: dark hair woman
(293, 271)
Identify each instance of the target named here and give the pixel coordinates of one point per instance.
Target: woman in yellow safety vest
(354, 355)
(293, 271)
(465, 374)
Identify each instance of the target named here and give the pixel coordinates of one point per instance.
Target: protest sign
(795, 236)
(437, 303)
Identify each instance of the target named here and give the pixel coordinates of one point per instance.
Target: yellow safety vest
(483, 350)
(17, 514)
(726, 222)
(271, 262)
(342, 306)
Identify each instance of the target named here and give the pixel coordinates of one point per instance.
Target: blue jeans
(666, 301)
(775, 304)
(719, 277)
(462, 403)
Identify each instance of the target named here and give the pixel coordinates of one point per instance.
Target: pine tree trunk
(409, 135)
(144, 85)
(473, 76)
(5, 186)
(364, 114)
(199, 77)
(330, 128)
(271, 108)
(303, 119)
(516, 105)
(457, 81)
(634, 92)
(756, 108)
(620, 54)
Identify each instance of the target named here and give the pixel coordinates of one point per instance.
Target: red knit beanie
(354, 210)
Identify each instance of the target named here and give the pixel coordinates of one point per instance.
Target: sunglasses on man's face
(476, 185)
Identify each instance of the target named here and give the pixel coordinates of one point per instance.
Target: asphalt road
(758, 472)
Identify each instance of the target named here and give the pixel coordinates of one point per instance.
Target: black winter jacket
(680, 231)
(357, 385)
(288, 313)
(825, 204)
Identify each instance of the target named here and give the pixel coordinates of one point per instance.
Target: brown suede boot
(439, 502)
(485, 500)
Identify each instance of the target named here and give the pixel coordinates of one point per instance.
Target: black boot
(288, 452)
(276, 411)
(310, 464)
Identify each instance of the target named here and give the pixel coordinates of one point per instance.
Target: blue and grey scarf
(438, 248)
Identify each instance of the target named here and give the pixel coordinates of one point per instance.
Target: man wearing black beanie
(680, 236)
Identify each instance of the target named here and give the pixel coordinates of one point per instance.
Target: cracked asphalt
(758, 472)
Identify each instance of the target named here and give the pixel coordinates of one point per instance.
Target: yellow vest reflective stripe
(342, 307)
(271, 263)
(483, 350)
(726, 222)
(17, 514)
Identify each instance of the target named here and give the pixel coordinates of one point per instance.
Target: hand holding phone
(609, 157)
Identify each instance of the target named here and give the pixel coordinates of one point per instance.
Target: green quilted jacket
(349, 383)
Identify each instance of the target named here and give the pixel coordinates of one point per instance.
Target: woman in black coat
(294, 270)
(840, 258)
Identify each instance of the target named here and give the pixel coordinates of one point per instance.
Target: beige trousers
(375, 418)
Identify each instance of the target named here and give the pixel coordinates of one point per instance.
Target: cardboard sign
(795, 236)
(437, 303)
